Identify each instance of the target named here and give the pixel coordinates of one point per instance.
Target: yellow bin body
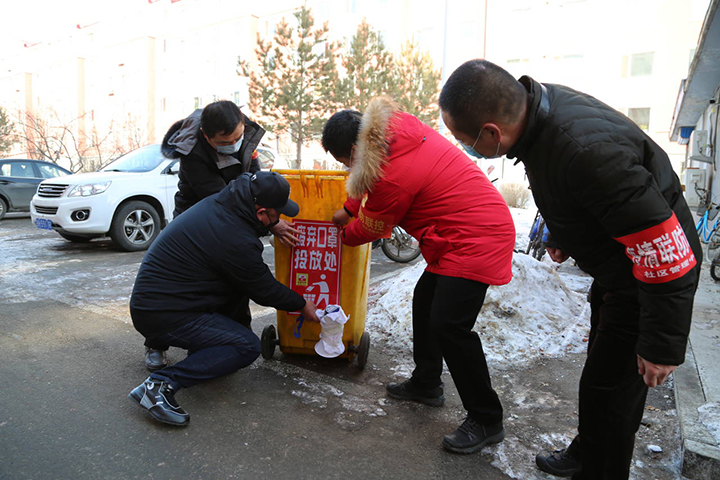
(320, 193)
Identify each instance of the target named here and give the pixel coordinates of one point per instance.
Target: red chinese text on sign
(315, 262)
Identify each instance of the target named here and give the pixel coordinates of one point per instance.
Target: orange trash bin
(321, 269)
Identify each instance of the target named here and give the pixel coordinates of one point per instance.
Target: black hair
(340, 132)
(479, 92)
(220, 117)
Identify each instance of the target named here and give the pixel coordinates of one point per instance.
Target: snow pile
(540, 312)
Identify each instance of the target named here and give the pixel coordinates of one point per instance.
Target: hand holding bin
(322, 270)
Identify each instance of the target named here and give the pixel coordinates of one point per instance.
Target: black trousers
(445, 310)
(612, 392)
(238, 311)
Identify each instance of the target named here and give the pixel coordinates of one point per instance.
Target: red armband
(660, 253)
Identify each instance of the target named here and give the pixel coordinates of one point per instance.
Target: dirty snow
(710, 417)
(542, 311)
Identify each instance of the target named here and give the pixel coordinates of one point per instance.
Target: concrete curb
(697, 384)
(701, 457)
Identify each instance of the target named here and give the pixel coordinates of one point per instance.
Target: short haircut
(220, 117)
(479, 92)
(340, 132)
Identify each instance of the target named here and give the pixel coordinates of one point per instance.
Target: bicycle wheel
(539, 247)
(401, 247)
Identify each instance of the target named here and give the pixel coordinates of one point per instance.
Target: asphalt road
(69, 356)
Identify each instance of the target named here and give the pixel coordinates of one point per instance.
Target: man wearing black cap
(192, 288)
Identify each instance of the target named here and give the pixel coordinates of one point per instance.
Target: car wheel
(3, 208)
(75, 238)
(135, 226)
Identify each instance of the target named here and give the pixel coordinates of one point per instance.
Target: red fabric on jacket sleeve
(352, 205)
(379, 212)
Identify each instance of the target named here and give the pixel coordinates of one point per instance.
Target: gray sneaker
(158, 398)
(407, 391)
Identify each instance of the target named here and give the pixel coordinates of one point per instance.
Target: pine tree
(368, 70)
(6, 132)
(417, 83)
(296, 72)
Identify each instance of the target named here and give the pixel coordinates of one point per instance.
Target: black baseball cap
(271, 190)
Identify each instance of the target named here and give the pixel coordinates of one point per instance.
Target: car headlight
(88, 189)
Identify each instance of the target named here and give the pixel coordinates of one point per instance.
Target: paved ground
(69, 356)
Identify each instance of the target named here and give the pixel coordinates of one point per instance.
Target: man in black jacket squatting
(190, 288)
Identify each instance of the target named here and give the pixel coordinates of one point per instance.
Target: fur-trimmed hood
(385, 131)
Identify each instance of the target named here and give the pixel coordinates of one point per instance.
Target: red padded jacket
(407, 174)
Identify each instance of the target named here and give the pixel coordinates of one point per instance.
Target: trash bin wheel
(363, 350)
(268, 340)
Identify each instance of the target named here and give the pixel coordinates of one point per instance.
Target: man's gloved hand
(285, 232)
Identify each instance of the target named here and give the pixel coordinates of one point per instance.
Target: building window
(236, 97)
(198, 102)
(641, 64)
(641, 116)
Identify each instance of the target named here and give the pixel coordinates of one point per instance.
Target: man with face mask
(215, 145)
(194, 276)
(612, 201)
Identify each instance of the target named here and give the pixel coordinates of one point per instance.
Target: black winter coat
(609, 194)
(199, 175)
(206, 259)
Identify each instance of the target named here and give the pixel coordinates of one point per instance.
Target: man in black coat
(612, 201)
(193, 280)
(215, 146)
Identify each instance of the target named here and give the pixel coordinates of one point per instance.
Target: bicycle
(400, 247)
(539, 234)
(707, 228)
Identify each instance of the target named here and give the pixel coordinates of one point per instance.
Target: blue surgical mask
(230, 149)
(471, 150)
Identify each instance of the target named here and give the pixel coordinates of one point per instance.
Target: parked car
(130, 200)
(19, 180)
(267, 157)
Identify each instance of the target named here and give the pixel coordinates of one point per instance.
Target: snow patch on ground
(710, 417)
(542, 311)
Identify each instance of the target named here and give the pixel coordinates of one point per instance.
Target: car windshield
(141, 160)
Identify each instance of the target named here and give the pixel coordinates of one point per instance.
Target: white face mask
(230, 149)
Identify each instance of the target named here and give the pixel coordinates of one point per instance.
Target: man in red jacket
(404, 173)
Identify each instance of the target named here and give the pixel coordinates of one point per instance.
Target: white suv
(131, 200)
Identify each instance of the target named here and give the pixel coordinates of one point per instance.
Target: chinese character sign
(661, 253)
(315, 262)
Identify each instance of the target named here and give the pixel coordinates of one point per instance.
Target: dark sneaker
(561, 463)
(155, 359)
(158, 398)
(407, 391)
(471, 436)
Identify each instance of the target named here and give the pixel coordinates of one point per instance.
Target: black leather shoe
(407, 391)
(561, 463)
(155, 359)
(158, 398)
(471, 436)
